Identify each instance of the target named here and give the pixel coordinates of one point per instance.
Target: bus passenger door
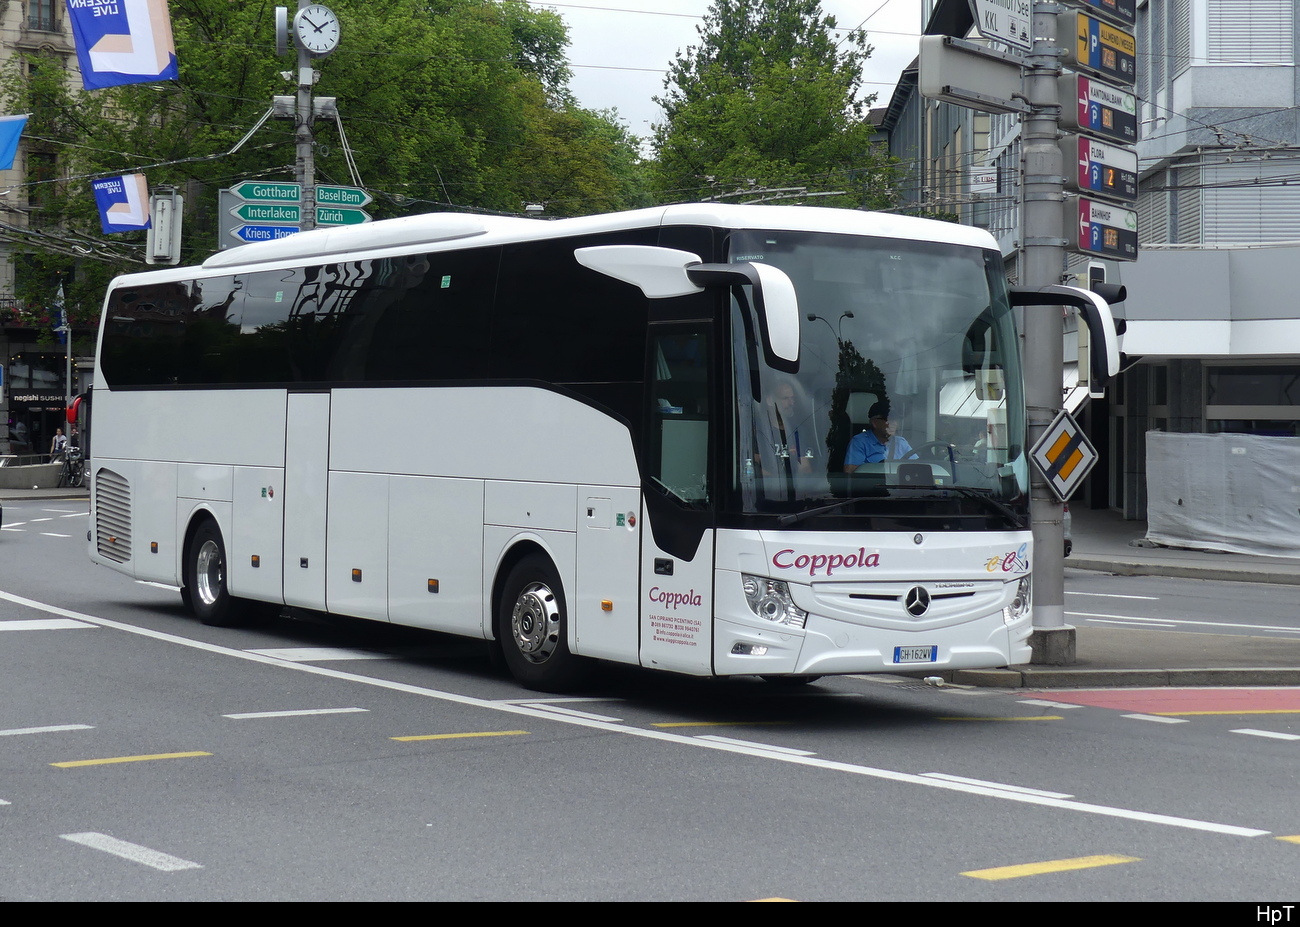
(605, 615)
(306, 475)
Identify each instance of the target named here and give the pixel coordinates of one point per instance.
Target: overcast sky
(620, 49)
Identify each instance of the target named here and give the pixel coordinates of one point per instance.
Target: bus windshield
(908, 386)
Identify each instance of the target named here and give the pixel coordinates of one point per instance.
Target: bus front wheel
(205, 580)
(532, 628)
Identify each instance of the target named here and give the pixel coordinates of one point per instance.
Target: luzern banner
(123, 203)
(123, 41)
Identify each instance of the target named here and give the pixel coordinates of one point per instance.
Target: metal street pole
(1042, 264)
(306, 163)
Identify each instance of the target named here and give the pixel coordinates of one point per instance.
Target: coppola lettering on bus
(788, 559)
(673, 599)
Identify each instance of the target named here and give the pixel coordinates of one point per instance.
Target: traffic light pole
(1043, 251)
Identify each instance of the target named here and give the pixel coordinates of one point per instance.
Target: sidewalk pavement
(1104, 542)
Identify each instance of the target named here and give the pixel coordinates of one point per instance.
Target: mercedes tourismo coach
(711, 439)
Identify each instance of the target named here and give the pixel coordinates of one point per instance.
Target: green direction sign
(330, 215)
(342, 196)
(259, 191)
(269, 212)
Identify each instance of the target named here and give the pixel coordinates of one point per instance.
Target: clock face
(317, 29)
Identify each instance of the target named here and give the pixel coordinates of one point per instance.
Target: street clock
(315, 30)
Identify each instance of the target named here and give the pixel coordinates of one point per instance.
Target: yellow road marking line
(129, 759)
(1292, 839)
(1051, 865)
(715, 723)
(775, 898)
(455, 736)
(1020, 718)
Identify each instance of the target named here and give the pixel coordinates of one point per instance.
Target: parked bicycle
(74, 468)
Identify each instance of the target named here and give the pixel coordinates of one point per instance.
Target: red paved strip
(1170, 701)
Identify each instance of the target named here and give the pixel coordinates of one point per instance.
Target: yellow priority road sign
(1064, 455)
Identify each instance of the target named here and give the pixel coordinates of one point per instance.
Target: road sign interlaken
(268, 212)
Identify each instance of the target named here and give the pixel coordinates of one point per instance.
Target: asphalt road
(147, 757)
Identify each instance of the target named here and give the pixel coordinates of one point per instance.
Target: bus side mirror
(1094, 309)
(661, 273)
(775, 304)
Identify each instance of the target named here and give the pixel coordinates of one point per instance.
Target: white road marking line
(319, 654)
(1115, 595)
(1156, 718)
(1133, 623)
(167, 586)
(569, 712)
(1275, 735)
(41, 624)
(64, 512)
(76, 515)
(649, 734)
(243, 716)
(51, 534)
(553, 701)
(3, 802)
(48, 729)
(164, 862)
(1019, 789)
(753, 748)
(1209, 624)
(1045, 703)
(35, 520)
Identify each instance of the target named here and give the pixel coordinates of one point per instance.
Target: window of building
(42, 15)
(1259, 32)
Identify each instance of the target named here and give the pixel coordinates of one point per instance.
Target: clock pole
(304, 136)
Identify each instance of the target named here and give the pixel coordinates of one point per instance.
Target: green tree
(447, 104)
(769, 99)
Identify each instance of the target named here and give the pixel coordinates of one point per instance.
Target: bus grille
(112, 516)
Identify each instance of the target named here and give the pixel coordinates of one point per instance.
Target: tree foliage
(447, 104)
(769, 99)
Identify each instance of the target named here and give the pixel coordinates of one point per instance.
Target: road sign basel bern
(1097, 167)
(342, 196)
(262, 192)
(1096, 46)
(1098, 108)
(1102, 229)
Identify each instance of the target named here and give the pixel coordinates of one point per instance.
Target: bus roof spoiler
(1103, 342)
(662, 273)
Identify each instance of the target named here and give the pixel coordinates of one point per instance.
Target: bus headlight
(1023, 602)
(770, 600)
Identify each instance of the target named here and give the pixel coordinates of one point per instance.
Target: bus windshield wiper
(795, 517)
(986, 496)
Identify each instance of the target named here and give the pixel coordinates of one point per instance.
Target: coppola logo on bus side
(790, 559)
(673, 599)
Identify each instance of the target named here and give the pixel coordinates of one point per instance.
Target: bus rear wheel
(205, 580)
(532, 628)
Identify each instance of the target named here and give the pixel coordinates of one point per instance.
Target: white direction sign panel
(1064, 456)
(1009, 21)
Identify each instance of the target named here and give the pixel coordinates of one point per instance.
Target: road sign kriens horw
(1064, 455)
(252, 233)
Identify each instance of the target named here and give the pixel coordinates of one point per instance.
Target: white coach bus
(644, 437)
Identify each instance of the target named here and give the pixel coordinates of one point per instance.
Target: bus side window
(678, 436)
